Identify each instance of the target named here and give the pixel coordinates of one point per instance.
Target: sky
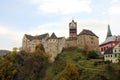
(35, 17)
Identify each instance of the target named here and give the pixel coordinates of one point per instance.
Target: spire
(109, 34)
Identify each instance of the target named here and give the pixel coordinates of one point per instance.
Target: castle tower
(72, 29)
(109, 34)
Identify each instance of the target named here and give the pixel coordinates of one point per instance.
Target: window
(101, 49)
(115, 50)
(107, 47)
(104, 48)
(111, 55)
(115, 55)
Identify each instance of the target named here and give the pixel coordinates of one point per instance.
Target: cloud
(10, 33)
(63, 6)
(114, 10)
(114, 1)
(3, 30)
(10, 38)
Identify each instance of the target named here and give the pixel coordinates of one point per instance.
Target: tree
(92, 54)
(39, 48)
(7, 70)
(15, 49)
(34, 64)
(117, 72)
(69, 73)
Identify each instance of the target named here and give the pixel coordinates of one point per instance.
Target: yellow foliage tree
(69, 73)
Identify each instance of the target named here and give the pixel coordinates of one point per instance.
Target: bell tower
(72, 29)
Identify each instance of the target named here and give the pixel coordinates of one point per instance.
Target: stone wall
(91, 41)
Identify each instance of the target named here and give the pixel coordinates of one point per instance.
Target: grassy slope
(74, 56)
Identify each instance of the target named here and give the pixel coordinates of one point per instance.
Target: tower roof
(109, 34)
(53, 36)
(73, 20)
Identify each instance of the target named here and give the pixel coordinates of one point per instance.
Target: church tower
(72, 29)
(109, 34)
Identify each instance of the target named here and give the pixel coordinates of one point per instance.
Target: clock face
(72, 25)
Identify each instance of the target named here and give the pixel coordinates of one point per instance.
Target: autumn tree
(34, 64)
(7, 70)
(69, 73)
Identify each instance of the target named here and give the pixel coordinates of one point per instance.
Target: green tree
(15, 49)
(117, 72)
(92, 54)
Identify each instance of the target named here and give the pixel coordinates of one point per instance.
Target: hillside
(3, 52)
(71, 64)
(88, 69)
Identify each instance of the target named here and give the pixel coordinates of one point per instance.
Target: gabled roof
(36, 37)
(29, 37)
(41, 36)
(109, 39)
(109, 51)
(87, 32)
(53, 36)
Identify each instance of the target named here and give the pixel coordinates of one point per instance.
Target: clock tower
(72, 29)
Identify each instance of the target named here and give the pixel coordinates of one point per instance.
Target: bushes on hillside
(92, 55)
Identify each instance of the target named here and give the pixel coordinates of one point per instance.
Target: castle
(54, 45)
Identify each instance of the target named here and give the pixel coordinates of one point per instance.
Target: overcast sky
(35, 17)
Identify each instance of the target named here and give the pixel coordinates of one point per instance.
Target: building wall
(105, 46)
(25, 44)
(116, 49)
(91, 41)
(111, 57)
(61, 44)
(29, 45)
(54, 47)
(71, 43)
(114, 56)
